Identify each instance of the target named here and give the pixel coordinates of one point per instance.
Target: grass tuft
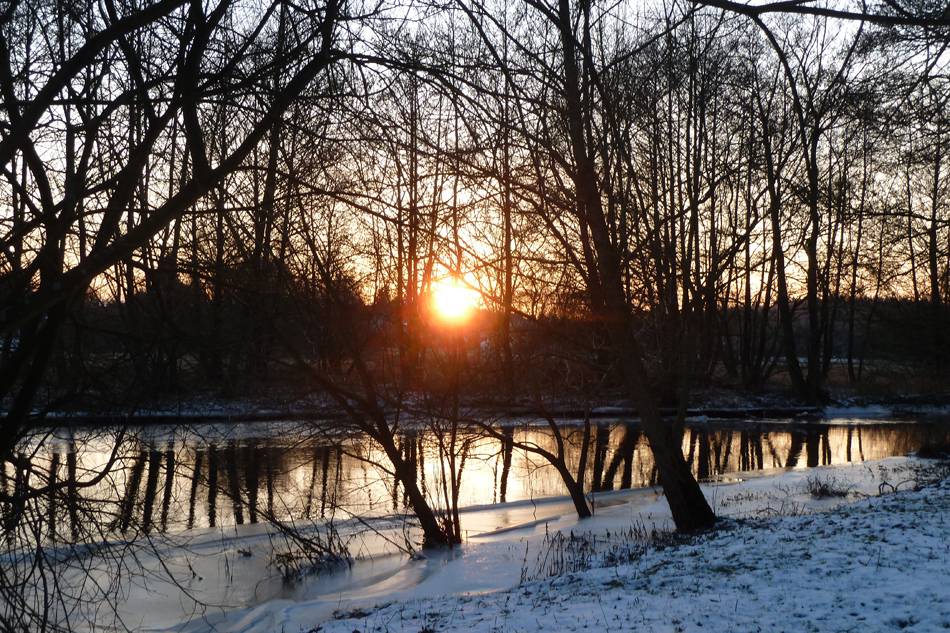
(826, 487)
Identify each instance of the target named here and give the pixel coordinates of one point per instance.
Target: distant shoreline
(755, 413)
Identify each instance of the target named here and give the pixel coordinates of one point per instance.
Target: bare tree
(100, 105)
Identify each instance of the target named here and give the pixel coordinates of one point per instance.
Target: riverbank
(881, 563)
(853, 547)
(712, 406)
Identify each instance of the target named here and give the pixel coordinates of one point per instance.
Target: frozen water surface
(880, 563)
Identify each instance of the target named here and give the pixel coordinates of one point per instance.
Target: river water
(176, 478)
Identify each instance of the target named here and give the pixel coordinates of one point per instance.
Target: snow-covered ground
(785, 560)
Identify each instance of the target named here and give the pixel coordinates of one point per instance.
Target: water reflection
(184, 478)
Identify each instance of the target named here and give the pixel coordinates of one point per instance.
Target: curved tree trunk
(433, 534)
(688, 505)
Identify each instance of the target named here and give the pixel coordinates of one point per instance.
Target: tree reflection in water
(185, 481)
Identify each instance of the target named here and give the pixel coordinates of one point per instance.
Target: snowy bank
(861, 547)
(881, 563)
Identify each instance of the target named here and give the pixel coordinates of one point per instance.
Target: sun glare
(453, 301)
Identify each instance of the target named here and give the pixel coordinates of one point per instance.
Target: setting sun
(451, 300)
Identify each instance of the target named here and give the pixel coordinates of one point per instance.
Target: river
(177, 478)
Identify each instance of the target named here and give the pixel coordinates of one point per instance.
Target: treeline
(774, 195)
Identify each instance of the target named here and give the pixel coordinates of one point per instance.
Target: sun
(451, 300)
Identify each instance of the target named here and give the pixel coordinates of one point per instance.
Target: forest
(629, 202)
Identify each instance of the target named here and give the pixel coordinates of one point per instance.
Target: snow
(782, 561)
(869, 413)
(878, 564)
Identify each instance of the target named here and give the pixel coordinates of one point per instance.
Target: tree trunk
(433, 534)
(688, 505)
